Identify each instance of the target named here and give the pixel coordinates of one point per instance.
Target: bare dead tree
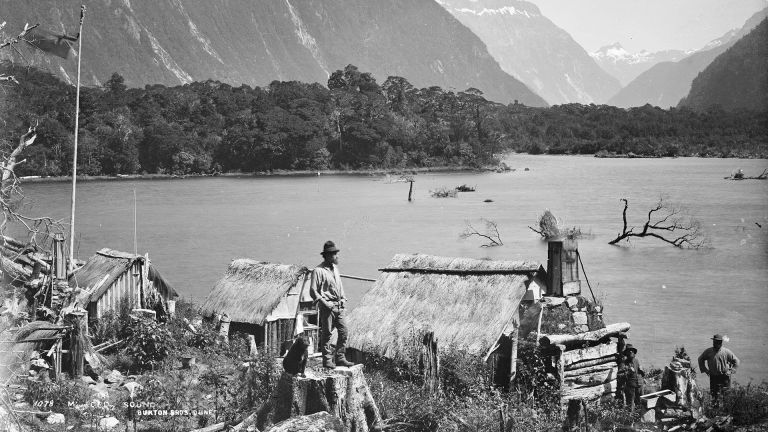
(669, 223)
(491, 233)
(10, 192)
(11, 44)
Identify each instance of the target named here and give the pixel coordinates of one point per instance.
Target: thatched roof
(251, 290)
(102, 269)
(467, 303)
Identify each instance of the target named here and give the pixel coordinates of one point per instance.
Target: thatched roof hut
(263, 296)
(468, 304)
(111, 276)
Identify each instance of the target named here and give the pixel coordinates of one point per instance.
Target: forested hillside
(736, 79)
(354, 122)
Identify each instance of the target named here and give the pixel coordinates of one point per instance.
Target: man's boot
(341, 361)
(327, 364)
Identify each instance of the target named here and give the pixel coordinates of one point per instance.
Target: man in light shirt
(328, 292)
(719, 363)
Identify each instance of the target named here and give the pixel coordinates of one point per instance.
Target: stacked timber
(587, 363)
(19, 261)
(30, 266)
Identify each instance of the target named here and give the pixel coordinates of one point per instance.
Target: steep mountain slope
(534, 50)
(626, 66)
(241, 41)
(666, 83)
(736, 79)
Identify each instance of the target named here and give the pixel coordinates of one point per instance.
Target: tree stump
(680, 380)
(342, 392)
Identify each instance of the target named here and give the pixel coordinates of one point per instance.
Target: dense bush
(149, 343)
(747, 404)
(210, 127)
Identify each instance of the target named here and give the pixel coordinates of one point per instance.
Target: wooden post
(224, 328)
(513, 357)
(78, 320)
(254, 351)
(430, 363)
(502, 420)
(410, 191)
(171, 308)
(57, 360)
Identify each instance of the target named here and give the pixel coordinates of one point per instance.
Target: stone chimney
(563, 268)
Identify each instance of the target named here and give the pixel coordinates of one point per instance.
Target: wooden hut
(466, 304)
(264, 299)
(110, 276)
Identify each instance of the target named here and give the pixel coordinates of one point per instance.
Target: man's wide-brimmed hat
(629, 347)
(717, 337)
(329, 247)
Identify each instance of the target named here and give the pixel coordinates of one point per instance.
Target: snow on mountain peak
(506, 10)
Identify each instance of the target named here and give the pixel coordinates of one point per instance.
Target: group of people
(326, 289)
(718, 362)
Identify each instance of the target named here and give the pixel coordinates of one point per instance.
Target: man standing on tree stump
(719, 363)
(327, 291)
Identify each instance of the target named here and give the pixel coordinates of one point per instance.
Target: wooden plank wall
(128, 285)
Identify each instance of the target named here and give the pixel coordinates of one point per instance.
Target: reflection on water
(193, 228)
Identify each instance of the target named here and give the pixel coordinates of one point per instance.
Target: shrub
(535, 383)
(113, 325)
(747, 404)
(462, 374)
(149, 343)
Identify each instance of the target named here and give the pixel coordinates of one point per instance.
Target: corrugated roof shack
(467, 304)
(110, 276)
(263, 299)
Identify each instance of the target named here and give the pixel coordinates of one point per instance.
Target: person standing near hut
(719, 363)
(328, 292)
(631, 371)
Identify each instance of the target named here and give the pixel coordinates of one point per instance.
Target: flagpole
(77, 127)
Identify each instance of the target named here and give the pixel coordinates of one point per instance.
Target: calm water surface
(193, 228)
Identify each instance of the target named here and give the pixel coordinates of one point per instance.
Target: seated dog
(295, 361)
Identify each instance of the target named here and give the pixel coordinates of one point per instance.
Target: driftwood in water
(570, 340)
(740, 176)
(342, 392)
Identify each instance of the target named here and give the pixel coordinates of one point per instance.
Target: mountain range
(505, 48)
(736, 79)
(534, 50)
(666, 83)
(626, 66)
(175, 42)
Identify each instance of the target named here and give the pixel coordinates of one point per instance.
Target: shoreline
(368, 172)
(275, 173)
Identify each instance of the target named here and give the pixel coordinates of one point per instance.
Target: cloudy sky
(653, 25)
